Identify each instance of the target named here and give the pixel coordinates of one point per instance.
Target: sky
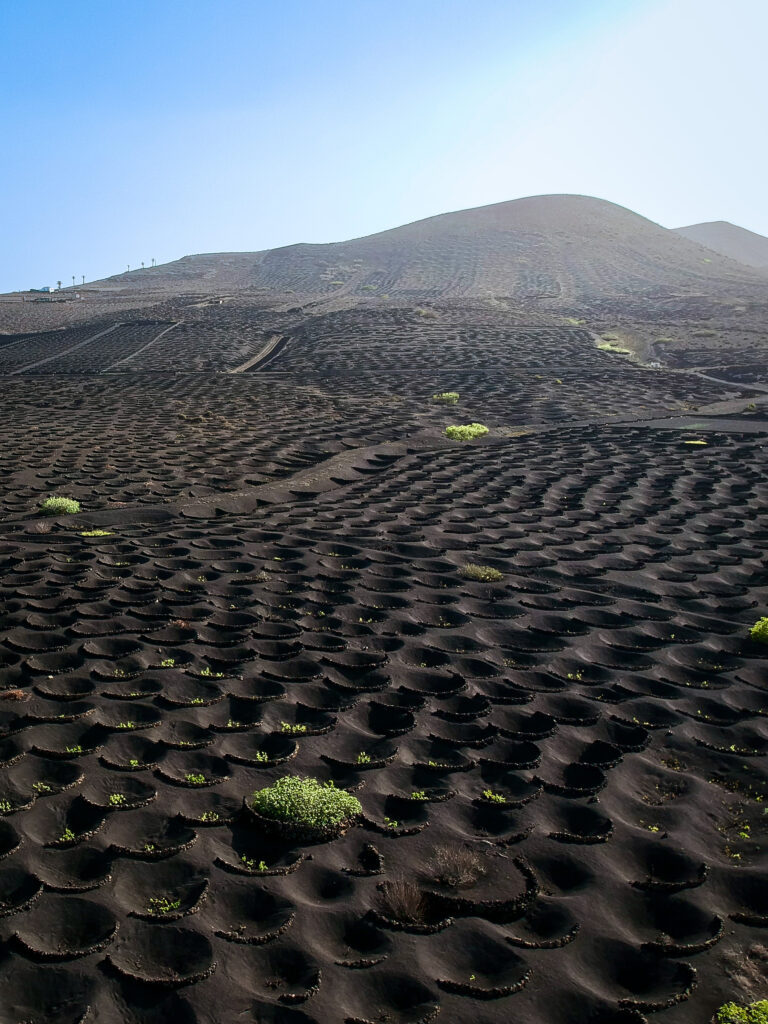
(161, 128)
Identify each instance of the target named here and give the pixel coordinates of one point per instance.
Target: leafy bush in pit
(466, 431)
(609, 346)
(759, 631)
(481, 573)
(56, 506)
(446, 397)
(159, 905)
(494, 798)
(754, 1013)
(307, 802)
(294, 730)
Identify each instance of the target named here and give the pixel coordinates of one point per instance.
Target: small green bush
(55, 506)
(306, 802)
(494, 798)
(759, 631)
(446, 397)
(609, 346)
(159, 905)
(481, 573)
(294, 730)
(466, 432)
(754, 1013)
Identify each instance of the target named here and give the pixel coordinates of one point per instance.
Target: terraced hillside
(528, 656)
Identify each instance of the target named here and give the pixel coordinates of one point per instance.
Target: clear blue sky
(166, 127)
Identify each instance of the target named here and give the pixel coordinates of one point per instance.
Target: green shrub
(609, 346)
(481, 573)
(494, 798)
(55, 506)
(294, 730)
(754, 1013)
(446, 397)
(466, 432)
(759, 631)
(159, 905)
(305, 802)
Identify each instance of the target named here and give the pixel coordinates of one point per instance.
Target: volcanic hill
(551, 248)
(730, 240)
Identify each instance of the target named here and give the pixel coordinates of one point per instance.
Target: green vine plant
(306, 802)
(159, 906)
(466, 431)
(58, 506)
(753, 1013)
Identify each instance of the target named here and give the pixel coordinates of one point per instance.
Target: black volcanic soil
(277, 573)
